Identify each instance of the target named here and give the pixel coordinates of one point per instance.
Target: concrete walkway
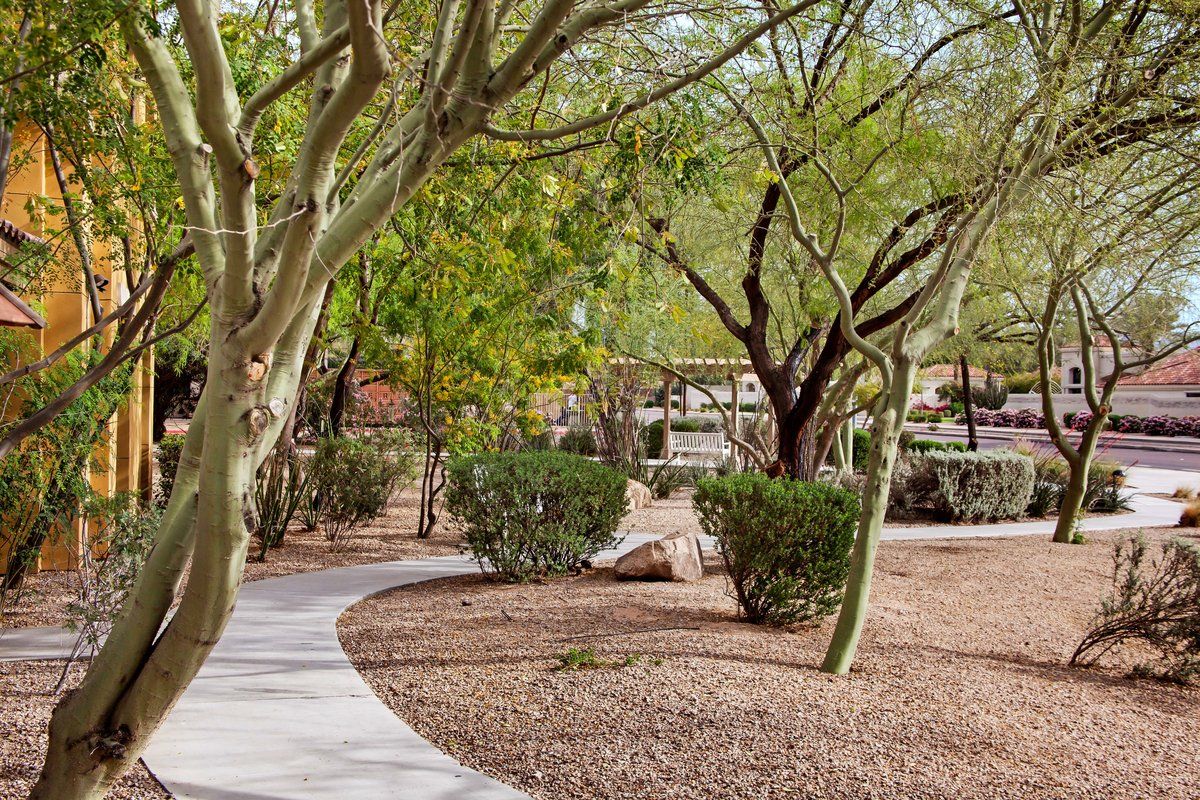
(279, 713)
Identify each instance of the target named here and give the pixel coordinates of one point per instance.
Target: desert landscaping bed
(960, 688)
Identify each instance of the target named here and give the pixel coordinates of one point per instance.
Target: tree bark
(968, 404)
(884, 441)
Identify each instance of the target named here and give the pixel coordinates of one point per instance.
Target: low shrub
(652, 436)
(934, 417)
(711, 426)
(1006, 418)
(786, 544)
(751, 407)
(122, 536)
(925, 446)
(1190, 516)
(972, 486)
(534, 515)
(353, 479)
(580, 441)
(686, 425)
(958, 447)
(991, 396)
(916, 416)
(1156, 604)
(170, 447)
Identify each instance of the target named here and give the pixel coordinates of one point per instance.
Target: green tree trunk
(885, 439)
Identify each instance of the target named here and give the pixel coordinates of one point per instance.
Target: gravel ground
(25, 704)
(959, 690)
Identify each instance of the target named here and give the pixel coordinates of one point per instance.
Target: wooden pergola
(734, 369)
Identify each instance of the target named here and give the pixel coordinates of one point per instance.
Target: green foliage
(44, 482)
(1022, 382)
(991, 395)
(926, 445)
(535, 515)
(1155, 603)
(685, 425)
(353, 479)
(786, 544)
(122, 534)
(170, 448)
(652, 439)
(578, 658)
(958, 447)
(971, 486)
(862, 449)
(580, 441)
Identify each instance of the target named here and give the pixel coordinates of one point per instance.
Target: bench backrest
(687, 442)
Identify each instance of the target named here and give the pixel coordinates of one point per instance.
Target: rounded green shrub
(926, 446)
(786, 544)
(533, 514)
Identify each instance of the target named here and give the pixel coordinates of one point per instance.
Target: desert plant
(991, 395)
(926, 446)
(1184, 492)
(580, 441)
(535, 515)
(121, 534)
(170, 447)
(786, 544)
(1111, 498)
(280, 488)
(1156, 603)
(353, 479)
(1190, 516)
(972, 486)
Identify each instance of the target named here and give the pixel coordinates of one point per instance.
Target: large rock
(672, 558)
(637, 495)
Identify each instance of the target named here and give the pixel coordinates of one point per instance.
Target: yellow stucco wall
(124, 462)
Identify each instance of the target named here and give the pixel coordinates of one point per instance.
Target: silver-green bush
(971, 486)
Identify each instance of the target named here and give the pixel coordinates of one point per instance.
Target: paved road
(1144, 455)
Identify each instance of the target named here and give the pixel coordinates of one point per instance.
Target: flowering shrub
(936, 408)
(1007, 418)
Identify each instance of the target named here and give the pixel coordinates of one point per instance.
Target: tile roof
(1182, 369)
(16, 236)
(949, 371)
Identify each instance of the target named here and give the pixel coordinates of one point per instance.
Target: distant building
(1175, 377)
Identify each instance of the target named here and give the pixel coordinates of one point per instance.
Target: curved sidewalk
(279, 713)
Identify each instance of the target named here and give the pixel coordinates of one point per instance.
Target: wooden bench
(688, 443)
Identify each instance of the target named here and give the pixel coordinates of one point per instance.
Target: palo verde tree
(415, 89)
(830, 94)
(1106, 256)
(1080, 83)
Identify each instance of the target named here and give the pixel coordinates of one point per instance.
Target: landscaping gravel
(960, 689)
(25, 705)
